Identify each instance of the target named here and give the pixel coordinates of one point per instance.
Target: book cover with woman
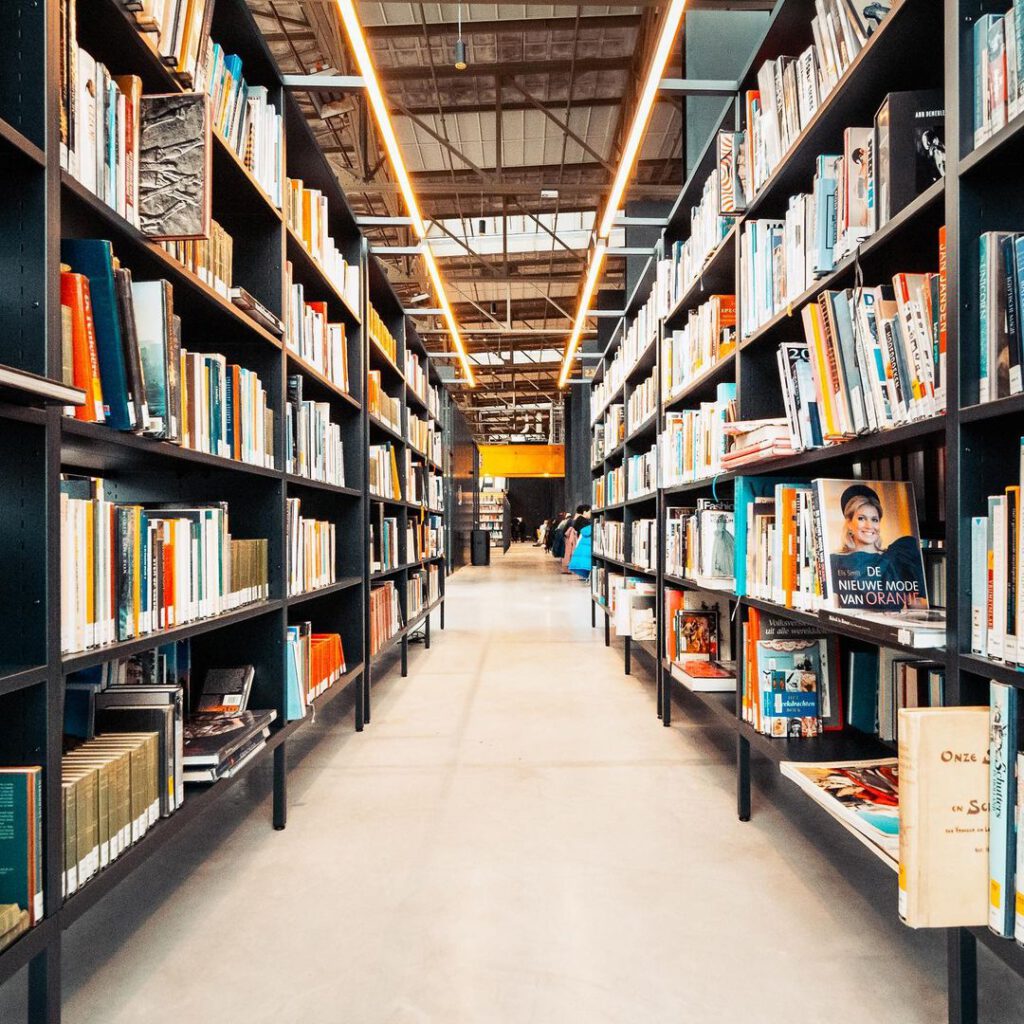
(870, 545)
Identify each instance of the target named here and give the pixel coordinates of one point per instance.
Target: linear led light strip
(357, 40)
(630, 151)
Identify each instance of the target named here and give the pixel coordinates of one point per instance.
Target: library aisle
(512, 840)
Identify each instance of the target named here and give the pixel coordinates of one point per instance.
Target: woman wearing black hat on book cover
(865, 573)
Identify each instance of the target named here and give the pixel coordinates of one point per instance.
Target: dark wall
(536, 499)
(576, 485)
(463, 487)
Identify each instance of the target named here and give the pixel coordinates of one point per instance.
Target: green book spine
(15, 840)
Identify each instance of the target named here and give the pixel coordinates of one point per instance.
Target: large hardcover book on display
(870, 545)
(944, 784)
(21, 839)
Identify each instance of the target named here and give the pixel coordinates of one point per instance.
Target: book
(863, 796)
(910, 146)
(211, 738)
(706, 676)
(21, 839)
(944, 784)
(868, 532)
(175, 166)
(226, 690)
(1002, 807)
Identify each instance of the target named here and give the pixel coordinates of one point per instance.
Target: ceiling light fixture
(589, 287)
(630, 151)
(357, 40)
(642, 115)
(460, 47)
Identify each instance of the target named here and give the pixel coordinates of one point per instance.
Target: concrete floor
(514, 840)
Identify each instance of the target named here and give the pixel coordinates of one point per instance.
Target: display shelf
(27, 947)
(330, 588)
(721, 703)
(126, 648)
(999, 407)
(989, 668)
(1005, 144)
(844, 745)
(928, 204)
(20, 677)
(99, 447)
(294, 480)
(716, 277)
(308, 272)
(232, 174)
(704, 385)
(386, 429)
(296, 364)
(13, 140)
(691, 584)
(646, 429)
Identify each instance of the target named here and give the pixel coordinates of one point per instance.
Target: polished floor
(514, 840)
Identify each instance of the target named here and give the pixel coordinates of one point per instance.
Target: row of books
(314, 663)
(693, 441)
(312, 550)
(384, 552)
(610, 539)
(699, 543)
(997, 578)
(179, 30)
(711, 220)
(611, 488)
(307, 215)
(210, 259)
(21, 852)
(643, 402)
(790, 89)
(755, 441)
(385, 614)
(121, 340)
(1001, 291)
(423, 438)
(881, 169)
(418, 381)
(642, 473)
(313, 445)
(246, 119)
(644, 541)
(708, 337)
(872, 359)
(998, 45)
(386, 408)
(849, 545)
(380, 335)
(609, 432)
(311, 335)
(424, 486)
(128, 570)
(383, 472)
(425, 537)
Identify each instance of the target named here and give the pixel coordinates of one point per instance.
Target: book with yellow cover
(944, 826)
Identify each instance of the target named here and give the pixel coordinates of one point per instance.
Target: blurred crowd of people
(568, 538)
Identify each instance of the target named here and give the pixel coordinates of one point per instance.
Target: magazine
(870, 544)
(862, 795)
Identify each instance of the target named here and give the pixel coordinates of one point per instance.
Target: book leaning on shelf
(315, 662)
(312, 550)
(128, 570)
(385, 614)
(693, 441)
(313, 445)
(708, 337)
(307, 215)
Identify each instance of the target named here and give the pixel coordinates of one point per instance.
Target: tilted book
(943, 770)
(1002, 807)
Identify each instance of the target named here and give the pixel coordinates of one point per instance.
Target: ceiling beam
(492, 26)
(412, 72)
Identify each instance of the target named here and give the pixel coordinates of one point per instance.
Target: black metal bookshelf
(919, 45)
(44, 204)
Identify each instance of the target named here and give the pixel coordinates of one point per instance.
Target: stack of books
(755, 441)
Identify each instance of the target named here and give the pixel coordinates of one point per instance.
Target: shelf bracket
(699, 86)
(321, 83)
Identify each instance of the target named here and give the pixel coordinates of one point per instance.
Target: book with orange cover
(74, 293)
